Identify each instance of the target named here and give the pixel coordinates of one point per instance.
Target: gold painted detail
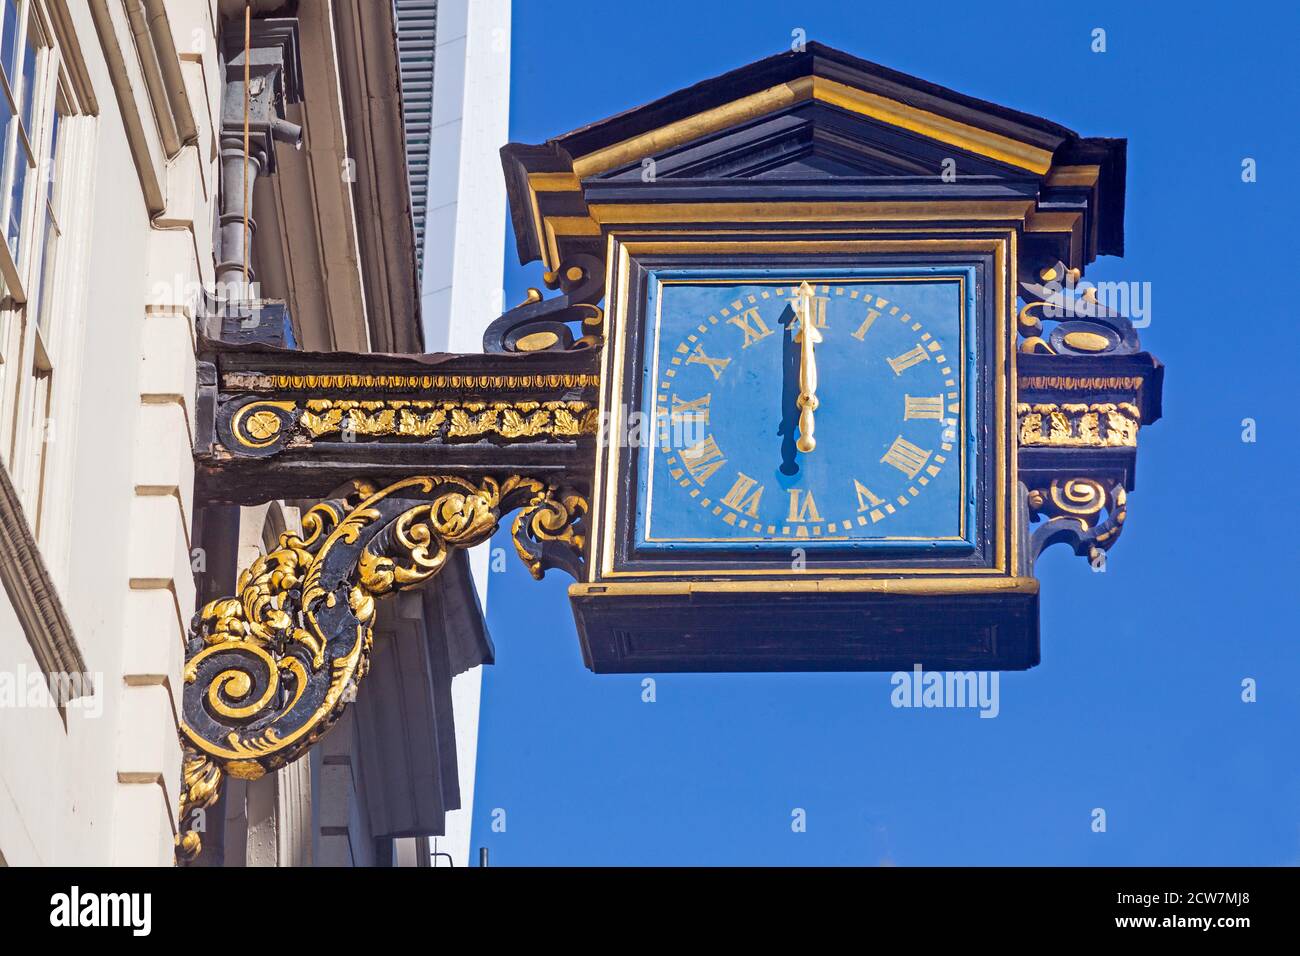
(323, 418)
(994, 210)
(1093, 328)
(802, 89)
(263, 424)
(1030, 326)
(200, 788)
(1071, 425)
(1081, 383)
(406, 419)
(549, 520)
(1087, 513)
(524, 419)
(965, 584)
(1087, 341)
(263, 381)
(554, 182)
(1076, 497)
(259, 425)
(807, 337)
(1085, 176)
(270, 669)
(536, 341)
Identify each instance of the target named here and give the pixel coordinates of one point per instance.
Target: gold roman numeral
(744, 496)
(926, 407)
(906, 457)
(905, 361)
(818, 309)
(752, 324)
(872, 315)
(866, 500)
(703, 459)
(696, 412)
(802, 507)
(715, 365)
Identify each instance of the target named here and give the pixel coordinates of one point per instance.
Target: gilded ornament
(536, 341)
(257, 425)
(1087, 341)
(263, 424)
(1088, 513)
(1071, 425)
(270, 669)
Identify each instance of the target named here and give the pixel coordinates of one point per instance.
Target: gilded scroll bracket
(1087, 513)
(270, 669)
(1083, 324)
(545, 325)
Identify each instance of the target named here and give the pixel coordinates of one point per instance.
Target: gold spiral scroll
(1078, 497)
(271, 669)
(1087, 513)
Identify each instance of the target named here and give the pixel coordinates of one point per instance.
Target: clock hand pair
(807, 337)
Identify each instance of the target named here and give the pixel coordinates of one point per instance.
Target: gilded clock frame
(623, 247)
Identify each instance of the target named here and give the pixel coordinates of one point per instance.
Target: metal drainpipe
(160, 29)
(153, 79)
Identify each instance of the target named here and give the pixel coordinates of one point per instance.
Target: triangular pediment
(814, 126)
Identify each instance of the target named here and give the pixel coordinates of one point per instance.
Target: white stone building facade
(110, 193)
(97, 338)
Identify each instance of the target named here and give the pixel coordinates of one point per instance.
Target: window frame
(33, 346)
(26, 108)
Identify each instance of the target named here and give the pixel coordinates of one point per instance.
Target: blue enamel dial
(861, 439)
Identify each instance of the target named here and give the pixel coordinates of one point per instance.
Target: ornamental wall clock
(836, 432)
(825, 475)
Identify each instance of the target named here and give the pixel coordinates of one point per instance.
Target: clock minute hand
(807, 337)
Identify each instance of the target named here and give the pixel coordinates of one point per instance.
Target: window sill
(13, 284)
(31, 591)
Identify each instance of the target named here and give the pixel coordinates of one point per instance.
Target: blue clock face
(817, 410)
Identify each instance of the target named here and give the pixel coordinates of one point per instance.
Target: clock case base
(735, 629)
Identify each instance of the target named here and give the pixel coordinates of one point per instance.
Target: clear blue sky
(1137, 704)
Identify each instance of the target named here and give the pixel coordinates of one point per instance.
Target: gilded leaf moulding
(1078, 425)
(262, 424)
(271, 668)
(419, 419)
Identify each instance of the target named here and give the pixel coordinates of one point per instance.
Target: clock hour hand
(807, 337)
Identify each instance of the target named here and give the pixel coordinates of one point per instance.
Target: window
(33, 104)
(9, 38)
(18, 86)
